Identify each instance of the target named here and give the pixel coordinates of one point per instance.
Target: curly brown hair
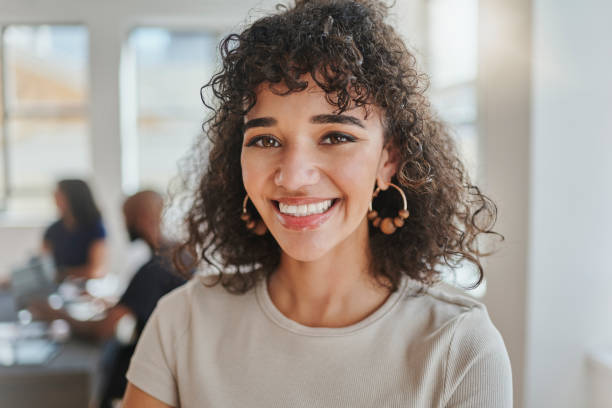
(357, 59)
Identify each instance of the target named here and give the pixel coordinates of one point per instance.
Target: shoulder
(194, 299)
(154, 279)
(467, 317)
(97, 229)
(476, 363)
(195, 289)
(158, 272)
(458, 321)
(442, 307)
(53, 229)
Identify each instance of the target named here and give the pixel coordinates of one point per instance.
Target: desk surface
(70, 377)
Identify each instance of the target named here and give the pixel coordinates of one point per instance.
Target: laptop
(33, 281)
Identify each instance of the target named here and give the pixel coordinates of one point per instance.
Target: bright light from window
(171, 67)
(452, 41)
(453, 61)
(45, 109)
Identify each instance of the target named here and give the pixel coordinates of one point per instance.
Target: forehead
(274, 101)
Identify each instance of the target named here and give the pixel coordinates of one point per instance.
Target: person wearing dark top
(153, 280)
(77, 240)
(124, 321)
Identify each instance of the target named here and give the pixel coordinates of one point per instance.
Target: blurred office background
(110, 92)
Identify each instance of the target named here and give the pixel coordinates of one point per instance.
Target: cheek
(244, 166)
(254, 173)
(356, 177)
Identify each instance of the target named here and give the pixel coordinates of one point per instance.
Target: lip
(308, 222)
(302, 200)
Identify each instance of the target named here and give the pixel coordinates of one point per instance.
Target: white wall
(570, 279)
(504, 115)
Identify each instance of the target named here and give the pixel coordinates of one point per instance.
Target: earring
(258, 227)
(389, 225)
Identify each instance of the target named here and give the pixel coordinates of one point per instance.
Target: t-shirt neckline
(278, 318)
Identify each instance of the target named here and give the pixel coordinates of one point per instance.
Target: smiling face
(310, 172)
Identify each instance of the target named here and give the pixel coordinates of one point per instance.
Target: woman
(330, 201)
(76, 240)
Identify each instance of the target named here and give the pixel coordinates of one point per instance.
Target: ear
(387, 167)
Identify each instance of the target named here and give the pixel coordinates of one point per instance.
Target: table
(68, 380)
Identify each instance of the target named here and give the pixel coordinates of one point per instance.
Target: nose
(297, 169)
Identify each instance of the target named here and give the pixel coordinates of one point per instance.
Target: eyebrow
(259, 122)
(318, 119)
(343, 119)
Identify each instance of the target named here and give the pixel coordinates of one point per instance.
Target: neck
(69, 221)
(334, 291)
(154, 239)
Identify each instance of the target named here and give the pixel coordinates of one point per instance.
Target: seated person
(76, 240)
(154, 279)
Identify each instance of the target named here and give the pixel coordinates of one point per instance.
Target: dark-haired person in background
(77, 240)
(143, 215)
(123, 322)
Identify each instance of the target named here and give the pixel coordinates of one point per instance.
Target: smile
(304, 210)
(304, 213)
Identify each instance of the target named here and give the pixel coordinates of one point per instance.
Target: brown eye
(264, 141)
(337, 138)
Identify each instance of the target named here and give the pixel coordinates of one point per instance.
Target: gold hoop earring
(389, 225)
(258, 227)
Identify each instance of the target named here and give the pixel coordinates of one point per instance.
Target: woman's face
(61, 202)
(310, 172)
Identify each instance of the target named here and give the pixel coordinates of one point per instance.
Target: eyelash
(257, 141)
(347, 138)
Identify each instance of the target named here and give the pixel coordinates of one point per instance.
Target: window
(452, 60)
(170, 67)
(452, 63)
(44, 120)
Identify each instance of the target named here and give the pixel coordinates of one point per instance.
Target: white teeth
(305, 209)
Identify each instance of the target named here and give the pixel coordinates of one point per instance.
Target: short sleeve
(98, 232)
(50, 232)
(153, 365)
(478, 372)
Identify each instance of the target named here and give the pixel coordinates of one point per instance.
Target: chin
(304, 250)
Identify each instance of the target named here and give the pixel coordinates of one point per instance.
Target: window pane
(162, 144)
(453, 45)
(453, 61)
(46, 92)
(467, 143)
(457, 107)
(453, 31)
(2, 148)
(456, 104)
(46, 66)
(171, 67)
(46, 150)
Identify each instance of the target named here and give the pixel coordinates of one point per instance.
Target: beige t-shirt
(204, 347)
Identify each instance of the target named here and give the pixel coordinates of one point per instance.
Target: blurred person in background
(77, 240)
(143, 217)
(123, 322)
